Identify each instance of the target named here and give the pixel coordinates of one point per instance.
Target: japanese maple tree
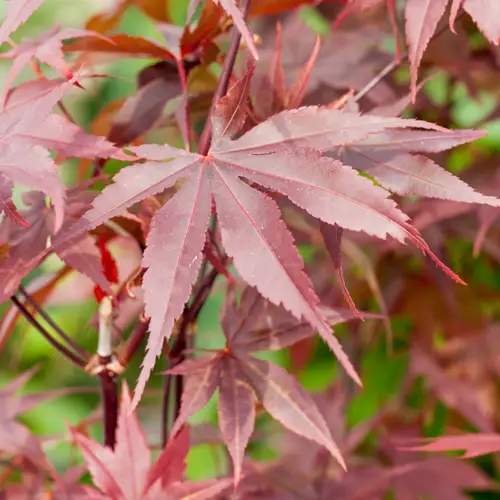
(283, 159)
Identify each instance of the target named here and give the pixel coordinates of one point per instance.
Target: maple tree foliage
(280, 157)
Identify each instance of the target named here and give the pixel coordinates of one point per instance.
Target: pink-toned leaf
(202, 490)
(486, 14)
(328, 190)
(170, 465)
(316, 128)
(17, 12)
(422, 17)
(474, 445)
(59, 134)
(252, 220)
(7, 206)
(289, 403)
(236, 411)
(231, 111)
(177, 236)
(199, 386)
(46, 48)
(259, 325)
(131, 184)
(121, 473)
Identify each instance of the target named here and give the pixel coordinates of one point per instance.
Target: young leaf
(26, 244)
(126, 473)
(46, 48)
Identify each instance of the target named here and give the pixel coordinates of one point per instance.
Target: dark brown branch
(58, 346)
(109, 392)
(39, 310)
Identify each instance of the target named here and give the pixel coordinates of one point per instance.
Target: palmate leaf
(242, 380)
(284, 154)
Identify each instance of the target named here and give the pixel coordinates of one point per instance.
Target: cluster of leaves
(299, 145)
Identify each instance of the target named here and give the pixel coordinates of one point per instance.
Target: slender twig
(39, 310)
(60, 347)
(134, 342)
(165, 407)
(390, 67)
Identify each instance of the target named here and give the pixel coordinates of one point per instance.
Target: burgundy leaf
(288, 402)
(177, 236)
(199, 386)
(250, 219)
(273, 155)
(170, 465)
(298, 88)
(236, 411)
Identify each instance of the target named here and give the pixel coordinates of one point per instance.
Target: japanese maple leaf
(25, 244)
(17, 12)
(422, 18)
(126, 473)
(22, 159)
(256, 325)
(474, 445)
(282, 154)
(46, 48)
(390, 158)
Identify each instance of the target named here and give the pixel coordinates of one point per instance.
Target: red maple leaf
(126, 472)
